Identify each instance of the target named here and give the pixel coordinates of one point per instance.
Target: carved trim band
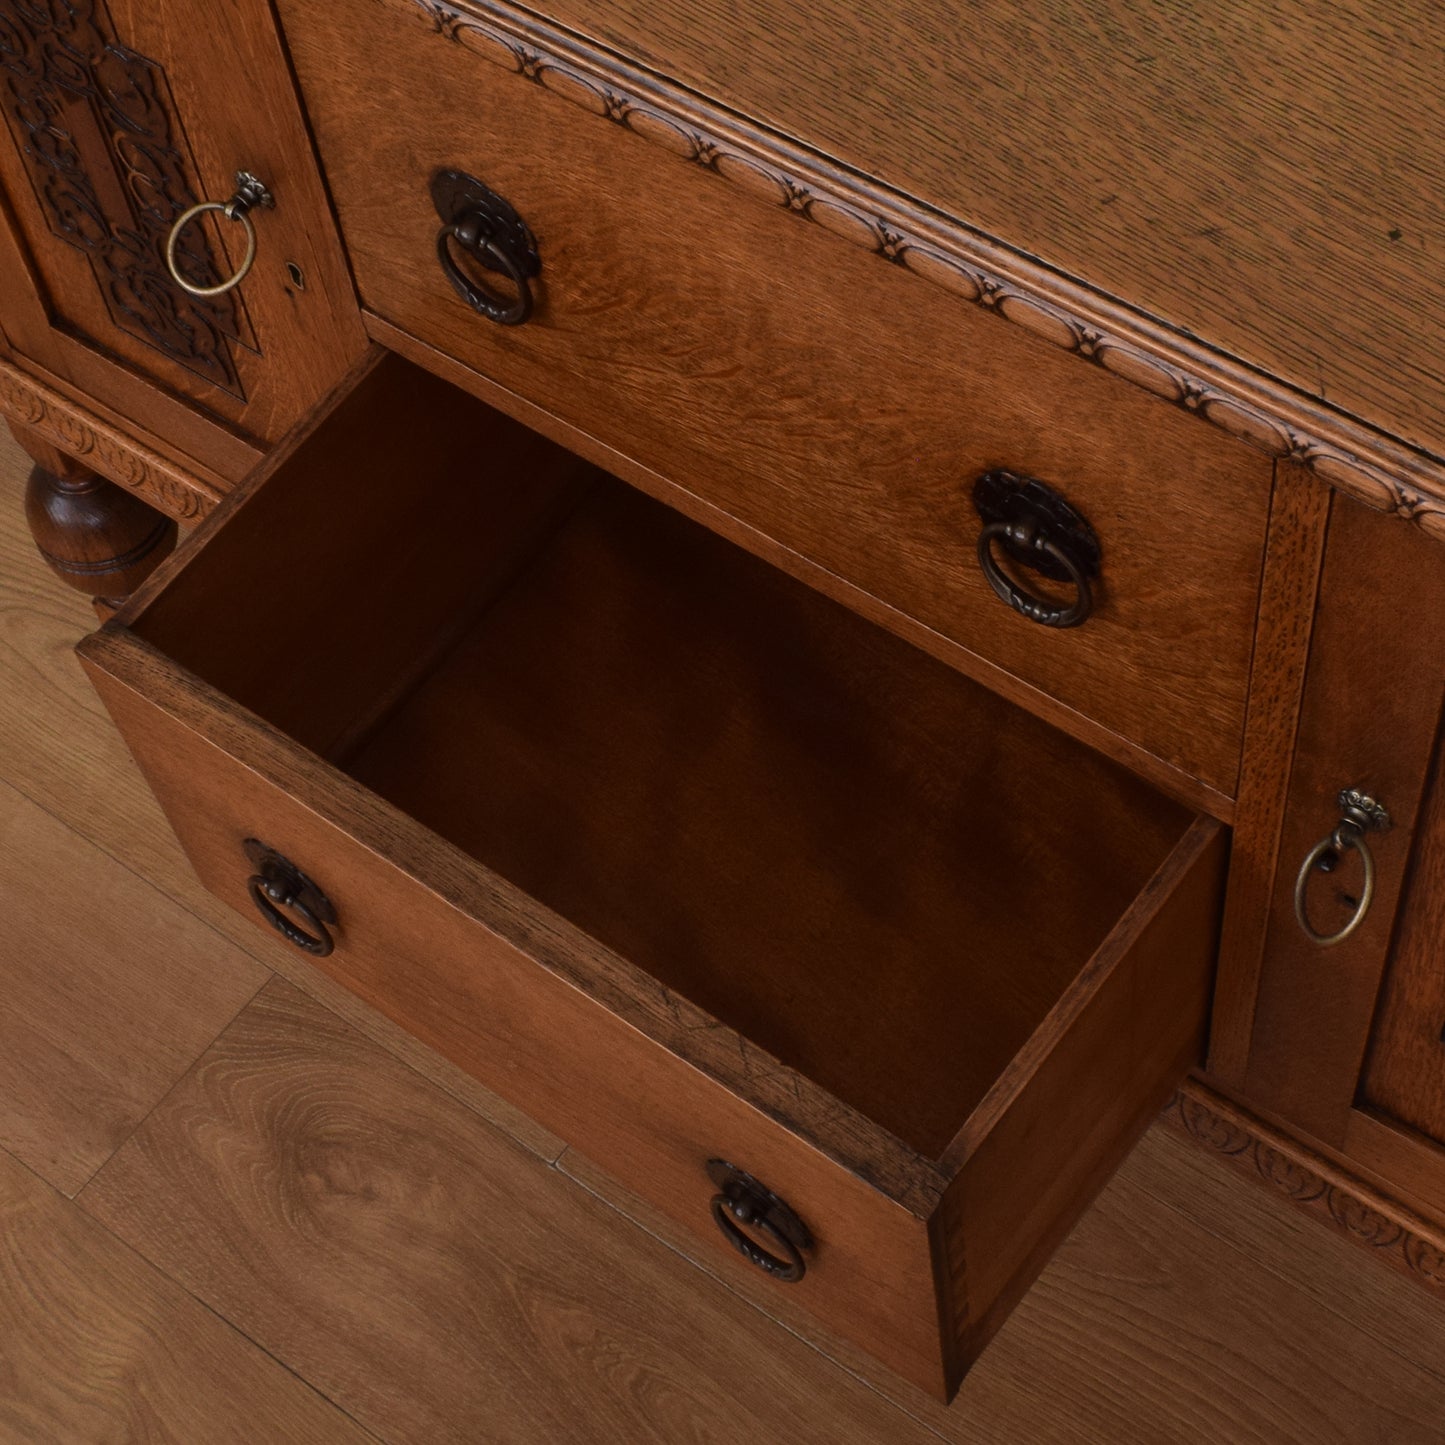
(1284, 422)
(105, 449)
(1396, 1235)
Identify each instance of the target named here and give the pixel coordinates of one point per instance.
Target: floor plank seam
(70, 1202)
(174, 1085)
(134, 872)
(1255, 1261)
(702, 1269)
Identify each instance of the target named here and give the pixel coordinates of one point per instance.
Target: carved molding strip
(104, 448)
(1351, 1207)
(1285, 423)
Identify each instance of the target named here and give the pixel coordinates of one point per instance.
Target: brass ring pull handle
(279, 884)
(250, 192)
(483, 225)
(1360, 814)
(1034, 527)
(742, 1201)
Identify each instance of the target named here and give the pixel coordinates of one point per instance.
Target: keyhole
(297, 275)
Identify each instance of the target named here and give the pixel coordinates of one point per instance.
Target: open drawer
(830, 953)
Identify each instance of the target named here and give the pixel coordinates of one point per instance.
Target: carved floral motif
(95, 124)
(104, 449)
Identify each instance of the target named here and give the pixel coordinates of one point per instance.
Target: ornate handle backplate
(478, 222)
(742, 1204)
(277, 885)
(1359, 814)
(1034, 527)
(250, 193)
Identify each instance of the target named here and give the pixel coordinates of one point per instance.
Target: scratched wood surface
(343, 1201)
(1267, 177)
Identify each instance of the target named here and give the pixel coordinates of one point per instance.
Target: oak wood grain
(100, 538)
(764, 809)
(1072, 1104)
(97, 1345)
(774, 809)
(767, 368)
(1165, 775)
(431, 1278)
(1221, 169)
(1299, 514)
(1404, 1074)
(112, 450)
(1338, 1269)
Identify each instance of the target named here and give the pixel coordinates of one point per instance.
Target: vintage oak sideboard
(842, 603)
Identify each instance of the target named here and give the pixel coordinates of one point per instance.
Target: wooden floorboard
(345, 1202)
(110, 991)
(1275, 1236)
(58, 747)
(437, 1282)
(96, 1345)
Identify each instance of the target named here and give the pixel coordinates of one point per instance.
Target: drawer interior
(867, 864)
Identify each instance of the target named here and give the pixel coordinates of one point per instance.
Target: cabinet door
(1371, 707)
(1405, 1073)
(119, 115)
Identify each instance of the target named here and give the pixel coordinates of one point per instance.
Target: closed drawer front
(834, 404)
(687, 860)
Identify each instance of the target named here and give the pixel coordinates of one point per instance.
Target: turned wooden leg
(98, 537)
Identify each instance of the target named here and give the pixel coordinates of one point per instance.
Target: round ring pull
(1360, 814)
(740, 1204)
(1050, 614)
(472, 235)
(481, 223)
(1030, 525)
(279, 884)
(249, 192)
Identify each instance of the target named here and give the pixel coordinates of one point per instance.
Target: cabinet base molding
(103, 448)
(1322, 1189)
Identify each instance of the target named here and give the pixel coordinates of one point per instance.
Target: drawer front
(840, 406)
(644, 1114)
(719, 871)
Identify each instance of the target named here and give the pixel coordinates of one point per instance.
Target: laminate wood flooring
(300, 1226)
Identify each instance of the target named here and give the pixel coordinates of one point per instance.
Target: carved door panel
(119, 115)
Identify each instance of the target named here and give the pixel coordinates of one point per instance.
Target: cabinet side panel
(1069, 1125)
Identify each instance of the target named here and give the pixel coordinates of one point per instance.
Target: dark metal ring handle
(1030, 524)
(1050, 614)
(472, 234)
(1360, 814)
(278, 883)
(742, 1201)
